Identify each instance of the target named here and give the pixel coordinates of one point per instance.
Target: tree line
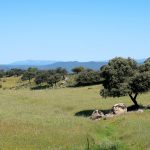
(83, 76)
(120, 77)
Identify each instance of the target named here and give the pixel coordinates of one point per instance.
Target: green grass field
(46, 120)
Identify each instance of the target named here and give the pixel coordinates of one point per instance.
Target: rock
(119, 108)
(107, 116)
(66, 78)
(96, 115)
(140, 110)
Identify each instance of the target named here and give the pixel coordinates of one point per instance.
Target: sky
(74, 30)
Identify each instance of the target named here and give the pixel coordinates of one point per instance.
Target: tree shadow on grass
(88, 113)
(134, 108)
(83, 85)
(39, 87)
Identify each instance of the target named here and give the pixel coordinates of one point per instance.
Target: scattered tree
(14, 72)
(120, 77)
(41, 78)
(78, 69)
(140, 83)
(62, 72)
(29, 74)
(10, 73)
(50, 77)
(2, 73)
(17, 72)
(53, 79)
(88, 77)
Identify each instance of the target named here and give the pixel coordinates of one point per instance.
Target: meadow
(57, 119)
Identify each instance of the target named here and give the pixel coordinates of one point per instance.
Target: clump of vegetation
(50, 77)
(125, 77)
(14, 72)
(2, 73)
(78, 69)
(33, 76)
(88, 77)
(29, 74)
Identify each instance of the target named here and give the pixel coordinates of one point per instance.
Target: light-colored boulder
(140, 110)
(119, 108)
(108, 116)
(96, 115)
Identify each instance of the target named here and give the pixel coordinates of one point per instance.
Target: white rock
(96, 115)
(119, 108)
(140, 110)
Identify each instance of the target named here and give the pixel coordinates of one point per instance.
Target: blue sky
(69, 30)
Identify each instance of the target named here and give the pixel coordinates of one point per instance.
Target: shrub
(88, 78)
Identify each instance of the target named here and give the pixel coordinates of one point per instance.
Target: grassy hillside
(17, 83)
(47, 120)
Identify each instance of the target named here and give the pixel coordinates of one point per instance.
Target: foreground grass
(46, 120)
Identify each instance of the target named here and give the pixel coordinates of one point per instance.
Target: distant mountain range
(33, 62)
(43, 65)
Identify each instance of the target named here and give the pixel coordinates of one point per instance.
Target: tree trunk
(29, 81)
(133, 98)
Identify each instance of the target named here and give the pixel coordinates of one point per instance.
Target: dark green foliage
(88, 69)
(88, 77)
(41, 77)
(140, 83)
(78, 69)
(50, 77)
(34, 70)
(18, 72)
(117, 76)
(9, 73)
(29, 74)
(51, 72)
(14, 72)
(2, 73)
(124, 77)
(145, 67)
(53, 79)
(61, 71)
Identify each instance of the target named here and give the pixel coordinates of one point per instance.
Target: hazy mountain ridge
(33, 62)
(52, 65)
(72, 64)
(69, 65)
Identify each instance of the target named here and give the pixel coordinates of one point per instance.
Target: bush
(53, 79)
(41, 78)
(88, 78)
(78, 69)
